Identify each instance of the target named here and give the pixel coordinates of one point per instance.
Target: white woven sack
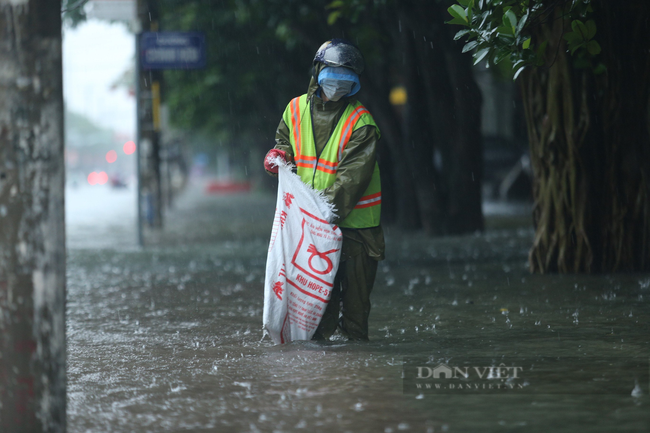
(302, 260)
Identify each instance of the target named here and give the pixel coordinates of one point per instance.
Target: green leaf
(465, 3)
(484, 16)
(593, 48)
(600, 69)
(458, 21)
(332, 17)
(591, 29)
(507, 39)
(504, 30)
(501, 56)
(521, 24)
(573, 38)
(580, 28)
(480, 55)
(457, 11)
(574, 48)
(335, 4)
(461, 33)
(526, 44)
(470, 46)
(518, 72)
(510, 20)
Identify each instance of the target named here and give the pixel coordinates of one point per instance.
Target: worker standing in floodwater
(332, 139)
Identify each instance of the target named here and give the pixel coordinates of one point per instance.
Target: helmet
(339, 52)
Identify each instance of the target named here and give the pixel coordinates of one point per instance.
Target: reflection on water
(169, 338)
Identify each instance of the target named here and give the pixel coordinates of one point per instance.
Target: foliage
(498, 30)
(258, 58)
(73, 12)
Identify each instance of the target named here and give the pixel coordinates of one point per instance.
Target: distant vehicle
(506, 170)
(117, 181)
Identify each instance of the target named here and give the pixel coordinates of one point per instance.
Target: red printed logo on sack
(323, 259)
(277, 289)
(288, 198)
(315, 265)
(283, 219)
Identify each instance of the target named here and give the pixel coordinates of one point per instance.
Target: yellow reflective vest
(319, 171)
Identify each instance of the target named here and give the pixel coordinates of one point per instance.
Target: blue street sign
(172, 50)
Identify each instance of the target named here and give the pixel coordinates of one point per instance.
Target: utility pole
(148, 133)
(32, 228)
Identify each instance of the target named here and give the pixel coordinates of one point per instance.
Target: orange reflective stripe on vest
(295, 118)
(349, 126)
(327, 166)
(305, 161)
(369, 200)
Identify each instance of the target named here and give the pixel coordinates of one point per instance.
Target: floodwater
(169, 338)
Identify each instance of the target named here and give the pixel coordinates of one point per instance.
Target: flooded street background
(169, 338)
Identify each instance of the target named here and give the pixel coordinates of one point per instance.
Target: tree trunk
(465, 211)
(444, 116)
(32, 230)
(397, 185)
(590, 147)
(418, 143)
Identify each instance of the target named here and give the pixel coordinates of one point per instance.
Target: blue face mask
(338, 82)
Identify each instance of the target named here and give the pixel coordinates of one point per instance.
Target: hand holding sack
(269, 160)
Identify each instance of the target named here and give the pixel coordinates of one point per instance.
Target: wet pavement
(169, 338)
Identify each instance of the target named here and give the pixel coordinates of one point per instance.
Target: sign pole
(138, 134)
(156, 51)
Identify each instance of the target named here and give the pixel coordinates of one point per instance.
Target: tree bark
(401, 201)
(465, 212)
(589, 147)
(418, 143)
(32, 230)
(443, 116)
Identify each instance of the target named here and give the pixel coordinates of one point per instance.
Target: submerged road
(169, 338)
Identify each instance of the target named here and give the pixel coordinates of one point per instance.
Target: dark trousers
(350, 295)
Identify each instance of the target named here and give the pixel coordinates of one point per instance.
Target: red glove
(269, 165)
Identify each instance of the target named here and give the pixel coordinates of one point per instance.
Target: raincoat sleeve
(354, 172)
(282, 138)
(282, 142)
